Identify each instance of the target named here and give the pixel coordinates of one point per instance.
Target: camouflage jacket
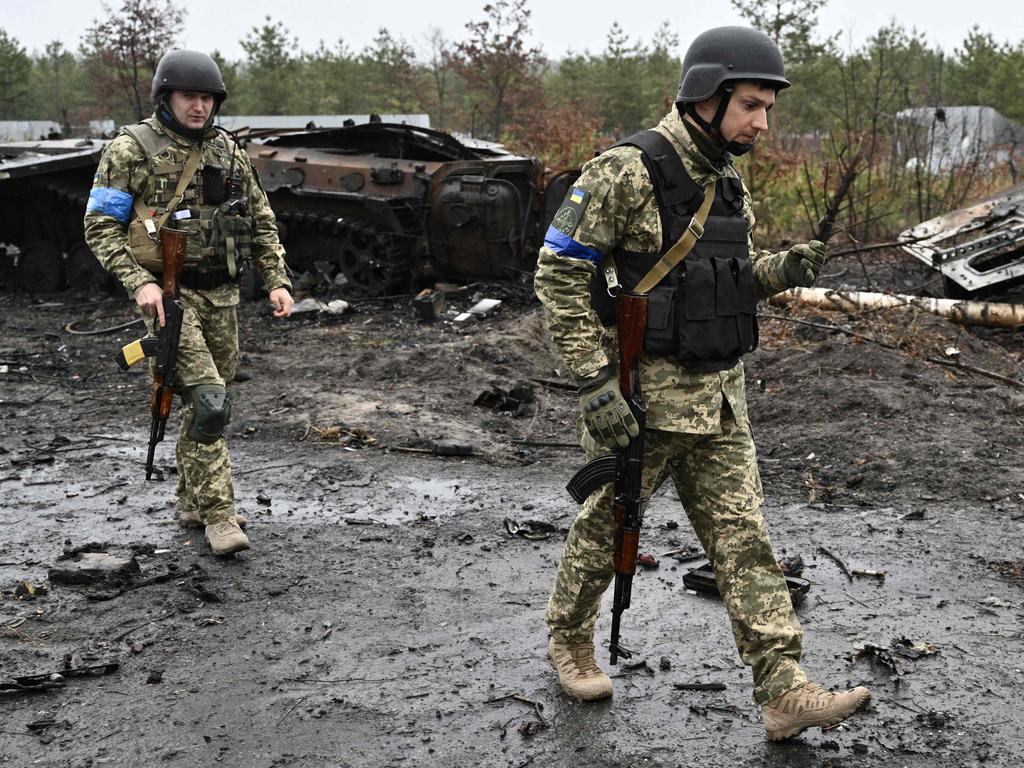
(125, 173)
(623, 212)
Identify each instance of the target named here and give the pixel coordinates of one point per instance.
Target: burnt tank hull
(383, 205)
(377, 208)
(44, 186)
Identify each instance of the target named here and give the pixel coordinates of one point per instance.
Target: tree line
(494, 83)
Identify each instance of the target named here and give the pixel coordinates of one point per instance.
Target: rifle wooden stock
(631, 311)
(173, 248)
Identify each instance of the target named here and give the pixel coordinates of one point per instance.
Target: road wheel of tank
(373, 262)
(40, 267)
(85, 272)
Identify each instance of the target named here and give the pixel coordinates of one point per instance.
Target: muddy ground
(386, 616)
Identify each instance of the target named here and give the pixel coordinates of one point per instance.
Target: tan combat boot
(809, 705)
(189, 518)
(577, 670)
(226, 537)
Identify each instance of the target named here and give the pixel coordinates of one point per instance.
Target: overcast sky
(557, 27)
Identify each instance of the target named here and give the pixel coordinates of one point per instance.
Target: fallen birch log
(964, 312)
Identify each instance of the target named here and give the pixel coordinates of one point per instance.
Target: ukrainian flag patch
(568, 216)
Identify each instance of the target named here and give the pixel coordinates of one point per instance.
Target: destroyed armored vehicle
(376, 207)
(979, 250)
(44, 186)
(379, 204)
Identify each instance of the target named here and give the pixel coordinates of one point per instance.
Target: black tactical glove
(802, 264)
(606, 413)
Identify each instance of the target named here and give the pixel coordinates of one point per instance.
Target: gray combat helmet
(188, 71)
(729, 53)
(719, 58)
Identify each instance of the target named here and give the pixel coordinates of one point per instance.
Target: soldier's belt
(204, 280)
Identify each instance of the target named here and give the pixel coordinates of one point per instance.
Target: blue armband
(563, 245)
(110, 202)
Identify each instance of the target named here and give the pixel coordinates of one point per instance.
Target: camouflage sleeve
(587, 226)
(765, 263)
(267, 251)
(119, 178)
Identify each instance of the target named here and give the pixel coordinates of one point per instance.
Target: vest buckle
(695, 228)
(611, 277)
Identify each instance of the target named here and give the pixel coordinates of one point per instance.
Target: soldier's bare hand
(282, 302)
(151, 301)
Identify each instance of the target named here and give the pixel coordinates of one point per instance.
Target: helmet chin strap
(714, 128)
(167, 118)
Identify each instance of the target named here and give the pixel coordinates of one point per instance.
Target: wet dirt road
(386, 616)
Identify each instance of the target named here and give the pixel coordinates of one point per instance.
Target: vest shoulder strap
(673, 185)
(678, 195)
(152, 143)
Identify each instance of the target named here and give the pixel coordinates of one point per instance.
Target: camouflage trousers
(208, 354)
(719, 486)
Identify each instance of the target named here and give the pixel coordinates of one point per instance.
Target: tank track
(46, 226)
(372, 261)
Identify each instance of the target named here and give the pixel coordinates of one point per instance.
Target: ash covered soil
(387, 614)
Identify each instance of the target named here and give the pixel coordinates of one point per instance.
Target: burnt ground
(386, 615)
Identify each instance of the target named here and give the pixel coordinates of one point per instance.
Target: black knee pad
(212, 412)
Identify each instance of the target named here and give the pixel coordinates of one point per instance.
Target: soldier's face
(191, 108)
(746, 117)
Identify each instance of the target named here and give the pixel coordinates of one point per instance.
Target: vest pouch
(231, 240)
(145, 250)
(727, 298)
(194, 255)
(698, 289)
(747, 319)
(214, 187)
(696, 321)
(659, 336)
(727, 309)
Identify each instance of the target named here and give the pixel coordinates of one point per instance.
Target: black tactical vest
(704, 311)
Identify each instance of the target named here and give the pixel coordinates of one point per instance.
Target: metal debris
(899, 647)
(47, 680)
(530, 529)
(699, 686)
(94, 568)
(702, 581)
(429, 304)
(974, 248)
(481, 309)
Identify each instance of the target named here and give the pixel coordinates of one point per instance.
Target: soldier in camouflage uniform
(701, 319)
(176, 167)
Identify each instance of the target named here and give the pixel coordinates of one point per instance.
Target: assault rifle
(164, 346)
(625, 467)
